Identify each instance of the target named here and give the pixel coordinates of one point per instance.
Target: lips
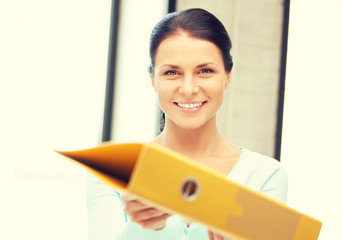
(190, 107)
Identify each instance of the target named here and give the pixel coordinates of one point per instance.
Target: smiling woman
(190, 79)
(190, 71)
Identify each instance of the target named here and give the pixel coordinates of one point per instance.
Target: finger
(126, 197)
(135, 206)
(155, 223)
(214, 236)
(132, 199)
(210, 235)
(147, 214)
(218, 237)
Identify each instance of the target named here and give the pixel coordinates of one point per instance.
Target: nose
(188, 87)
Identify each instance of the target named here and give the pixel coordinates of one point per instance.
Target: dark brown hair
(198, 23)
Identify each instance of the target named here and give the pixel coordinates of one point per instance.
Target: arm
(277, 185)
(108, 221)
(105, 210)
(146, 216)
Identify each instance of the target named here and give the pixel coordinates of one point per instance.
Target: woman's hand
(146, 216)
(214, 236)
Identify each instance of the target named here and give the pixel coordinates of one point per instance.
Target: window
(53, 70)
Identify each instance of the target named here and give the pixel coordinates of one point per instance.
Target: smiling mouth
(190, 105)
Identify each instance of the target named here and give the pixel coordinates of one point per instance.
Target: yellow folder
(179, 185)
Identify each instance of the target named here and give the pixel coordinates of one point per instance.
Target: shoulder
(259, 172)
(256, 161)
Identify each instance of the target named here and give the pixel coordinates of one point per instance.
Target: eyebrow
(198, 66)
(170, 66)
(205, 64)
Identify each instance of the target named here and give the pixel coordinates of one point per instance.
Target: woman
(190, 69)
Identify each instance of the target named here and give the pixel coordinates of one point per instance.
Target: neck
(193, 143)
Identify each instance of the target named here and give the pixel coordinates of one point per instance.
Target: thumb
(128, 197)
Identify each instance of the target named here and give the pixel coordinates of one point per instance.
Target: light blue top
(107, 220)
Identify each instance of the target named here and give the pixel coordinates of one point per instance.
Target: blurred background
(74, 73)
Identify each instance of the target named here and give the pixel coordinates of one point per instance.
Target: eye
(206, 71)
(170, 72)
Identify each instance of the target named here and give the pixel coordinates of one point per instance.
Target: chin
(190, 125)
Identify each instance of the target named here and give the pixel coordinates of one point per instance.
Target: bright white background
(136, 110)
(53, 58)
(53, 63)
(313, 115)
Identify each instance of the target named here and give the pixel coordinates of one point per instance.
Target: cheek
(217, 95)
(215, 90)
(220, 97)
(165, 88)
(163, 93)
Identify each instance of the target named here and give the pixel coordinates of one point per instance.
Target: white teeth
(192, 105)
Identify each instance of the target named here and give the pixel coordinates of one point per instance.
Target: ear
(227, 80)
(153, 83)
(152, 79)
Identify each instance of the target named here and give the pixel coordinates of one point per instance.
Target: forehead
(182, 49)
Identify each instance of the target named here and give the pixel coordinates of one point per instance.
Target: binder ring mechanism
(190, 189)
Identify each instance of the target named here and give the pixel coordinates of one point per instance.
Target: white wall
(135, 108)
(53, 59)
(313, 119)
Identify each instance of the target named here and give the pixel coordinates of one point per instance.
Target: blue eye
(206, 71)
(170, 72)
